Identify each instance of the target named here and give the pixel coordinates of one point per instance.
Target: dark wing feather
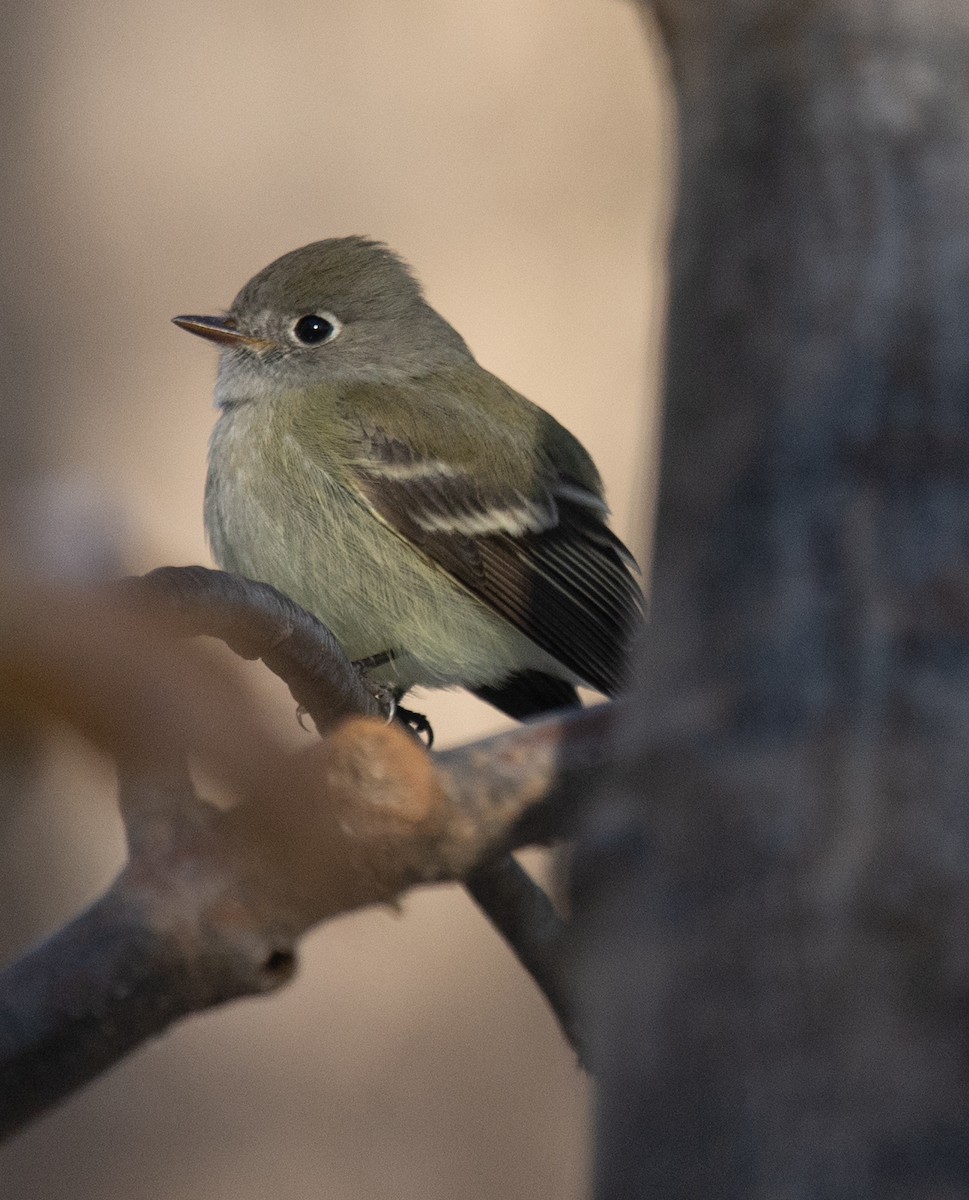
(546, 562)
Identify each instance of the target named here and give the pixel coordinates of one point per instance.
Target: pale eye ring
(313, 329)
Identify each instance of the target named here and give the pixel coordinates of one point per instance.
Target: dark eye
(313, 329)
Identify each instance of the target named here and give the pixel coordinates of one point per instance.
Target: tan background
(514, 151)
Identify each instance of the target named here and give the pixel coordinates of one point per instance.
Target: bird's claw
(418, 724)
(385, 697)
(388, 697)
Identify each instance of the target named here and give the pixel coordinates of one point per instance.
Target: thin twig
(525, 916)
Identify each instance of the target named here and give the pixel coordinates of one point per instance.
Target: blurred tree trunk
(29, 319)
(28, 333)
(773, 883)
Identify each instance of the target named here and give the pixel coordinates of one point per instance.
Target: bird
(448, 531)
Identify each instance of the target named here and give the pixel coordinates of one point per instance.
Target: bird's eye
(316, 328)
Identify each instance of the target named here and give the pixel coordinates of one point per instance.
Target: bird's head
(343, 309)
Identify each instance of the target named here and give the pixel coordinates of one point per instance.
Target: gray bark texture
(772, 883)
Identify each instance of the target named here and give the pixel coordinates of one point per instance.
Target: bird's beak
(220, 329)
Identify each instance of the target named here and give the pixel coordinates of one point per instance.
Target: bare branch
(257, 621)
(213, 900)
(527, 919)
(81, 658)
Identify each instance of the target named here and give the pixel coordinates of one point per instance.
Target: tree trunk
(773, 882)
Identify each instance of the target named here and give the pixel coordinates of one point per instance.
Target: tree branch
(526, 918)
(257, 621)
(213, 900)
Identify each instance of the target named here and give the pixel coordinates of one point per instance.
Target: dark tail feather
(529, 693)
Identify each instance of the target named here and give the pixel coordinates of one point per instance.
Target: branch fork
(215, 896)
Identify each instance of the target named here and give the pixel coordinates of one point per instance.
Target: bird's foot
(388, 697)
(418, 724)
(385, 696)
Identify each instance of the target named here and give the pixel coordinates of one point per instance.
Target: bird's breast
(275, 514)
(278, 513)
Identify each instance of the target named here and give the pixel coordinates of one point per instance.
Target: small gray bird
(447, 530)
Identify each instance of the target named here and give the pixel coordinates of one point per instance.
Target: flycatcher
(447, 530)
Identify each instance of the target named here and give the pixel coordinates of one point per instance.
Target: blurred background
(156, 156)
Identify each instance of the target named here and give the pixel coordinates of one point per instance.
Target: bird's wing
(545, 560)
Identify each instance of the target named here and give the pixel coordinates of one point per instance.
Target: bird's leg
(373, 661)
